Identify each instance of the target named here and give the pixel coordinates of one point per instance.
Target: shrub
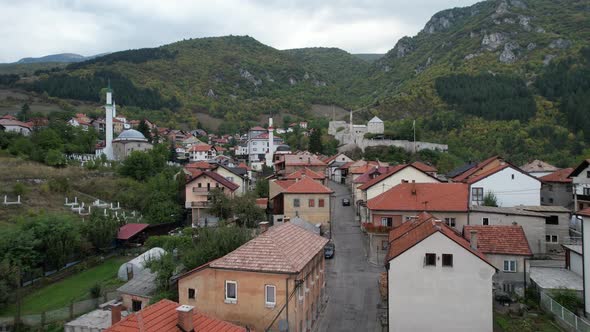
(567, 298)
(20, 189)
(59, 185)
(95, 290)
(55, 158)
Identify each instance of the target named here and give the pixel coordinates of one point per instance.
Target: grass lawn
(73, 288)
(540, 323)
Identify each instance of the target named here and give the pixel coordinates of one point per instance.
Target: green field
(508, 323)
(73, 288)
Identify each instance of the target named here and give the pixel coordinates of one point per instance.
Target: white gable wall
(408, 174)
(511, 188)
(457, 298)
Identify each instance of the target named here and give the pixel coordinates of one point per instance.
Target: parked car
(345, 202)
(329, 250)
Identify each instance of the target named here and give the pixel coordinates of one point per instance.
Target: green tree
(143, 128)
(100, 230)
(315, 141)
(138, 166)
(245, 209)
(220, 204)
(160, 205)
(55, 158)
(261, 189)
(24, 114)
(490, 199)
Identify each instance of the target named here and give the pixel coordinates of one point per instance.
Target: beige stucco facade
(313, 214)
(240, 181)
(250, 307)
(460, 218)
(197, 193)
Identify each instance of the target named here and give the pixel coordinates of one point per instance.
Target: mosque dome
(131, 135)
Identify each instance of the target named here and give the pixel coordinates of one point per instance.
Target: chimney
(473, 239)
(185, 318)
(116, 313)
(413, 188)
(263, 226)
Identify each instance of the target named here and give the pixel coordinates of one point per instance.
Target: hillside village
(499, 233)
(219, 184)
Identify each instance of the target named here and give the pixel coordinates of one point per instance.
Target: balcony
(201, 190)
(200, 204)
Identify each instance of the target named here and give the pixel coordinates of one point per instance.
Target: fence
(563, 315)
(58, 315)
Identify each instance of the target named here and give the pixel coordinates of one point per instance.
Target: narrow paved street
(351, 281)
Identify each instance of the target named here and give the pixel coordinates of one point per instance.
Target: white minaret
(110, 113)
(271, 144)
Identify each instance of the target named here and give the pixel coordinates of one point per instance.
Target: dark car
(345, 202)
(329, 250)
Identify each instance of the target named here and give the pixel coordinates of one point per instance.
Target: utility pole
(414, 126)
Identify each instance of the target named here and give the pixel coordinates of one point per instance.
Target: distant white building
(375, 126)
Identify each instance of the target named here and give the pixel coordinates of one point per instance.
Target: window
(450, 221)
(254, 143)
(254, 149)
(311, 202)
(477, 195)
(508, 288)
(447, 260)
(199, 185)
(430, 259)
(586, 191)
(321, 202)
(296, 202)
(509, 266)
(588, 174)
(512, 176)
(191, 293)
(551, 200)
(552, 220)
(384, 245)
(485, 221)
(231, 291)
(387, 221)
(270, 295)
(136, 305)
(551, 238)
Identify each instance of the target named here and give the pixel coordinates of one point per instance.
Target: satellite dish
(283, 325)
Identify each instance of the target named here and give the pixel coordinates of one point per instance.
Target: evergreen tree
(145, 130)
(315, 142)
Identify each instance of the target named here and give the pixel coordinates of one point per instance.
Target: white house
(581, 185)
(15, 126)
(397, 175)
(202, 152)
(509, 184)
(333, 171)
(436, 280)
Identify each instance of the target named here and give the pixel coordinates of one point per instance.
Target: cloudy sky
(41, 27)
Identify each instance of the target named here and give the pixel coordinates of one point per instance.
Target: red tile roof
(200, 165)
(372, 173)
(362, 169)
(257, 128)
(486, 174)
(505, 240)
(561, 176)
(163, 317)
(285, 248)
(424, 167)
(415, 231)
(474, 169)
(285, 183)
(452, 197)
(262, 202)
(307, 186)
(305, 172)
(368, 184)
(302, 160)
(585, 212)
(129, 230)
(10, 122)
(200, 148)
(218, 178)
(244, 166)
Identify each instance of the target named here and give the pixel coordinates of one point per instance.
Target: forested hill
(235, 76)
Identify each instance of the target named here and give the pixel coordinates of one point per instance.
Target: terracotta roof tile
(220, 179)
(200, 165)
(424, 167)
(392, 170)
(285, 248)
(305, 172)
(129, 230)
(421, 228)
(372, 173)
(506, 239)
(423, 197)
(472, 170)
(200, 148)
(585, 212)
(538, 166)
(561, 176)
(163, 317)
(302, 160)
(307, 186)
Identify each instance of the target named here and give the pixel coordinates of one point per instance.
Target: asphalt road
(351, 282)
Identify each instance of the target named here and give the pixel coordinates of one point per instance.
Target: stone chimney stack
(116, 313)
(473, 239)
(185, 318)
(263, 226)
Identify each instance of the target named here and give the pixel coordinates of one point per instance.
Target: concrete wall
(533, 227)
(557, 194)
(363, 143)
(511, 188)
(423, 298)
(313, 214)
(562, 230)
(581, 181)
(250, 308)
(576, 263)
(516, 279)
(128, 301)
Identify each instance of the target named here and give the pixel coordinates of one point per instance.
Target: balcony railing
(200, 204)
(201, 190)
